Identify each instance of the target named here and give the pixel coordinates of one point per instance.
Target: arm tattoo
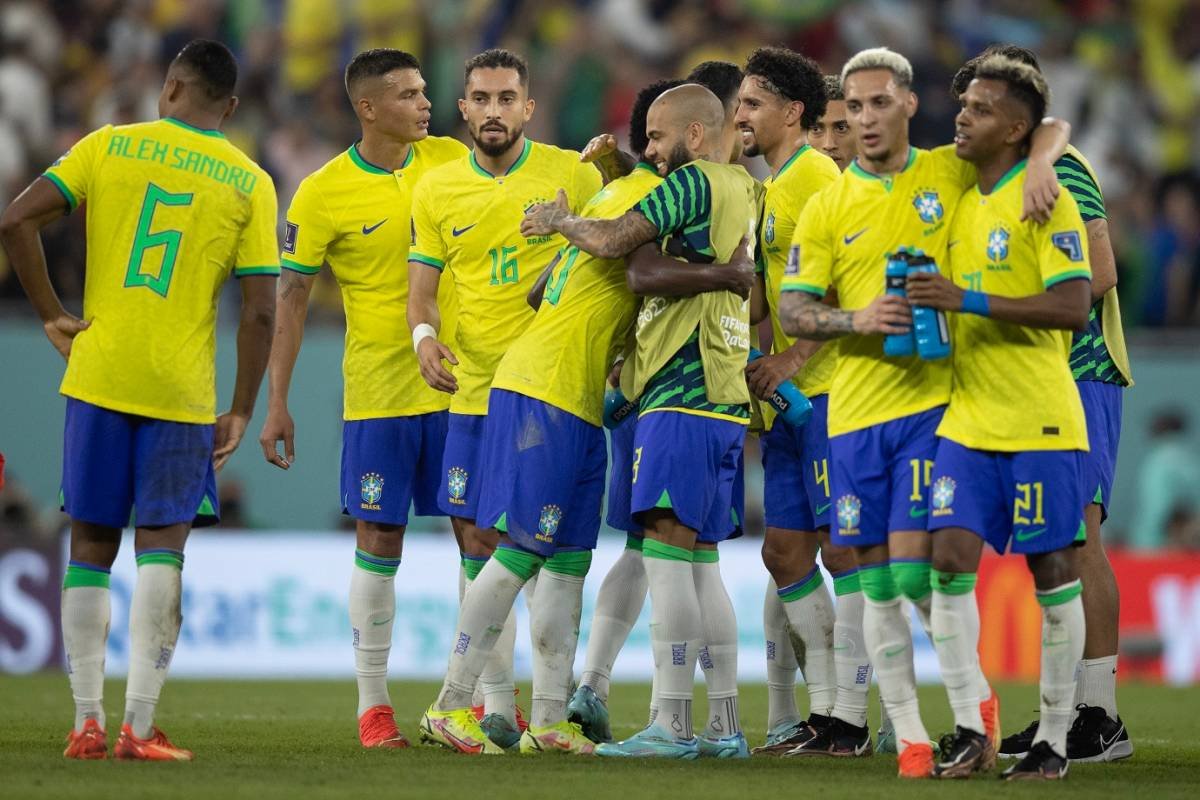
(292, 282)
(607, 238)
(801, 314)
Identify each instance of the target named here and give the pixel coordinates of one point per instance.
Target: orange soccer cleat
(88, 744)
(916, 760)
(989, 709)
(377, 728)
(156, 748)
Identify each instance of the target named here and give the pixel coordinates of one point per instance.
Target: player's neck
(995, 168)
(499, 165)
(782, 153)
(383, 152)
(197, 119)
(889, 164)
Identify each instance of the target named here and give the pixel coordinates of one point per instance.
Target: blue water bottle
(793, 407)
(929, 324)
(897, 345)
(616, 408)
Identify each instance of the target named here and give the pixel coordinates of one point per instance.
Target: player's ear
(1017, 131)
(365, 110)
(910, 105)
(230, 107)
(462, 108)
(794, 113)
(529, 105)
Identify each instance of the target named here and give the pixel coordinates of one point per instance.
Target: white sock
(497, 683)
(486, 604)
(1097, 684)
(653, 711)
(154, 621)
(811, 617)
(718, 656)
(889, 642)
(86, 612)
(554, 628)
(464, 583)
(955, 622)
(851, 661)
(618, 605)
(676, 633)
(372, 615)
(781, 662)
(1062, 647)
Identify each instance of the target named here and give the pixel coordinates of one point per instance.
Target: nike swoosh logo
(1107, 743)
(461, 231)
(824, 508)
(917, 513)
(1025, 536)
(384, 621)
(896, 652)
(850, 239)
(368, 231)
(952, 244)
(839, 648)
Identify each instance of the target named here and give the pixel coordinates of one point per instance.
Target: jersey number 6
(144, 240)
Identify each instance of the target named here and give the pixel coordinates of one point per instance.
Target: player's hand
(614, 374)
(61, 331)
(933, 290)
(599, 147)
(1041, 191)
(887, 314)
(765, 375)
(228, 435)
(430, 354)
(278, 428)
(542, 219)
(740, 271)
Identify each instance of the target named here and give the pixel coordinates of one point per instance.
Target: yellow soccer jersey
(587, 311)
(467, 222)
(803, 175)
(355, 217)
(171, 211)
(1013, 389)
(842, 240)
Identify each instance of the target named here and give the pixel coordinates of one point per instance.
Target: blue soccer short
(796, 472)
(620, 481)
(459, 492)
(117, 464)
(545, 474)
(878, 477)
(1102, 410)
(391, 463)
(688, 463)
(1033, 497)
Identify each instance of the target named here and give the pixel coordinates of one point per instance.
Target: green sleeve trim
(79, 577)
(428, 261)
(953, 582)
(242, 272)
(1073, 275)
(633, 542)
(72, 203)
(846, 584)
(521, 563)
(797, 286)
(570, 562)
(877, 583)
(652, 548)
(1063, 594)
(296, 266)
(705, 556)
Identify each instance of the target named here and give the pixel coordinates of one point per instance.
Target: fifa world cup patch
(371, 487)
(943, 496)
(548, 522)
(290, 231)
(849, 514)
(456, 485)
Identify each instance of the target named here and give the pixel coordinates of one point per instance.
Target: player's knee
(912, 579)
(837, 559)
(379, 538)
(1051, 570)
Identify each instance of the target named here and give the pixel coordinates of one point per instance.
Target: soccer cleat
(652, 742)
(457, 730)
(838, 738)
(1017, 745)
(964, 752)
(1041, 763)
(916, 760)
(377, 728)
(590, 713)
(989, 709)
(781, 738)
(156, 748)
(885, 737)
(733, 746)
(522, 724)
(1095, 736)
(561, 737)
(88, 744)
(497, 728)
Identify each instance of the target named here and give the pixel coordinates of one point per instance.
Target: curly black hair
(792, 76)
(719, 77)
(966, 73)
(638, 141)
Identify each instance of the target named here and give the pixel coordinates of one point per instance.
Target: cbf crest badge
(997, 248)
(769, 228)
(548, 523)
(943, 496)
(928, 206)
(371, 487)
(849, 514)
(456, 484)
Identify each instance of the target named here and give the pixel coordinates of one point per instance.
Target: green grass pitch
(285, 739)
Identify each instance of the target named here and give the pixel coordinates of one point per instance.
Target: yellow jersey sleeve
(585, 182)
(1062, 244)
(308, 231)
(427, 245)
(72, 173)
(953, 169)
(810, 259)
(258, 249)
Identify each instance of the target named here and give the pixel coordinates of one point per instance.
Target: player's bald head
(683, 124)
(690, 103)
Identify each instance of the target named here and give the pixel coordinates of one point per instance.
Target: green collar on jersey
(516, 164)
(887, 179)
(788, 163)
(1008, 176)
(645, 166)
(193, 128)
(367, 166)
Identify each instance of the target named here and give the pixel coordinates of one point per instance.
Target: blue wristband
(975, 303)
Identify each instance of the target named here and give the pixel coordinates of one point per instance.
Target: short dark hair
(377, 62)
(720, 77)
(213, 66)
(792, 76)
(638, 141)
(1025, 84)
(498, 58)
(966, 73)
(833, 88)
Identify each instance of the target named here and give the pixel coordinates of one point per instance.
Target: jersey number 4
(144, 241)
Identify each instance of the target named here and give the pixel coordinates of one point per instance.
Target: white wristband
(421, 332)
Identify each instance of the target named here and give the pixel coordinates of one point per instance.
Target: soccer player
(465, 220)
(686, 373)
(353, 214)
(172, 209)
(1007, 470)
(883, 412)
(831, 133)
(782, 96)
(1100, 365)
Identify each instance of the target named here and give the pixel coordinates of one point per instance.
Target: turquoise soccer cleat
(587, 710)
(500, 731)
(724, 746)
(652, 742)
(781, 738)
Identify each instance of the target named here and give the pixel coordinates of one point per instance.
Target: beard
(750, 150)
(495, 149)
(678, 157)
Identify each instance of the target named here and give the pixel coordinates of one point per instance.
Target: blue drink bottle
(793, 407)
(897, 345)
(929, 324)
(616, 408)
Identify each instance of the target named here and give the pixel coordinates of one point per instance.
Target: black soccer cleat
(963, 753)
(1041, 763)
(838, 738)
(1017, 745)
(1095, 736)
